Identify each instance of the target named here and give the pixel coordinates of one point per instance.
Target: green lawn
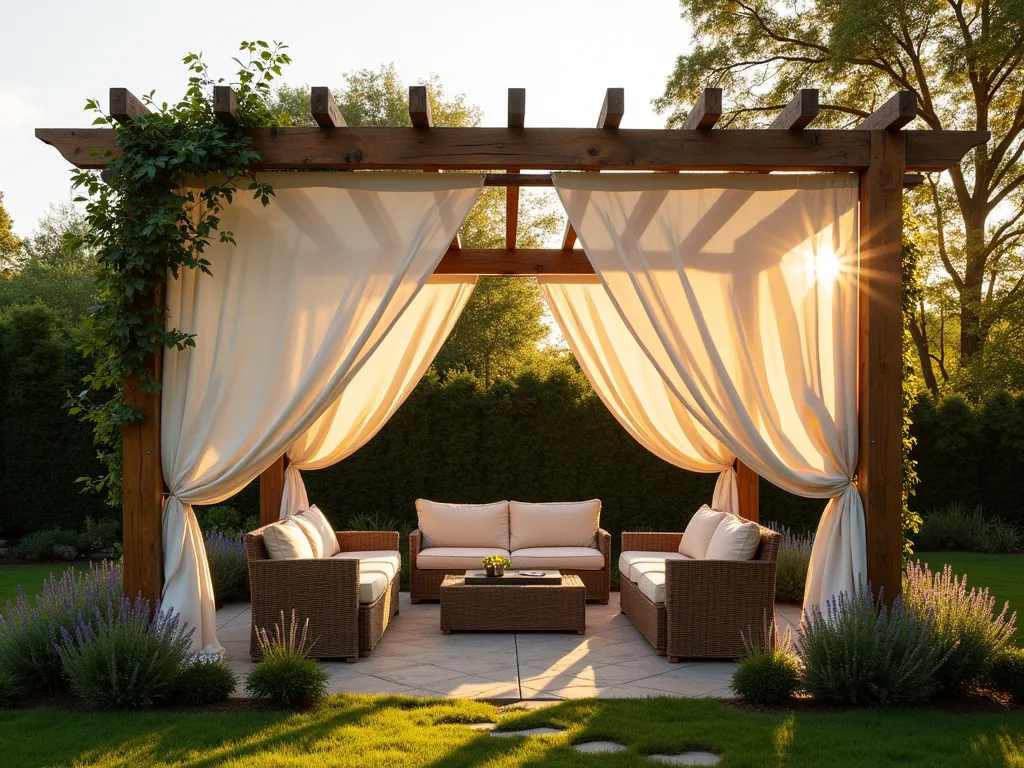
(31, 577)
(395, 731)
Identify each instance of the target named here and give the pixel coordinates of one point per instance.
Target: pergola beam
(324, 108)
(517, 261)
(419, 107)
(705, 112)
(517, 121)
(124, 106)
(893, 115)
(800, 111)
(225, 104)
(575, 149)
(613, 108)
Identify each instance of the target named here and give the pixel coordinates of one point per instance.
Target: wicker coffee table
(513, 607)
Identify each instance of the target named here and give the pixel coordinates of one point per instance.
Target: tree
(502, 326)
(55, 266)
(965, 61)
(10, 245)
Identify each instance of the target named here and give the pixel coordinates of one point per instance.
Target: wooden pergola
(887, 159)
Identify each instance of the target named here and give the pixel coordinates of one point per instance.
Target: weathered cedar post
(271, 491)
(749, 492)
(142, 486)
(880, 358)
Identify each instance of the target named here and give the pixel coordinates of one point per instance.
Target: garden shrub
(8, 690)
(204, 681)
(956, 528)
(378, 521)
(99, 535)
(768, 675)
(229, 569)
(49, 544)
(128, 658)
(30, 630)
(286, 676)
(965, 623)
(1007, 673)
(794, 559)
(226, 519)
(859, 652)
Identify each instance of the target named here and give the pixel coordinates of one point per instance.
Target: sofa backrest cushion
(734, 539)
(556, 524)
(324, 532)
(286, 540)
(699, 531)
(462, 525)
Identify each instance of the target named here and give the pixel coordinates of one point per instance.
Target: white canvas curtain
(629, 385)
(742, 291)
(288, 318)
(380, 386)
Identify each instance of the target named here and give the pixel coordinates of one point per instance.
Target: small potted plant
(495, 565)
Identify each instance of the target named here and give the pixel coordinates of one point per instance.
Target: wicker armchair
(425, 584)
(708, 603)
(325, 591)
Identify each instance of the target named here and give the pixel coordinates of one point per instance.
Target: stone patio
(613, 660)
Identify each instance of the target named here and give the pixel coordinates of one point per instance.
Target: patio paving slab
(612, 660)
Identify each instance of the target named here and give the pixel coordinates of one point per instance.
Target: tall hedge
(532, 439)
(43, 450)
(971, 454)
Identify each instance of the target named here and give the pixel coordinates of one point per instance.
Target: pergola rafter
(887, 159)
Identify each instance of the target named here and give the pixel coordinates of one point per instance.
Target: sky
(565, 53)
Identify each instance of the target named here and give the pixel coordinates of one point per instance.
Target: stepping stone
(599, 747)
(529, 732)
(688, 758)
(482, 726)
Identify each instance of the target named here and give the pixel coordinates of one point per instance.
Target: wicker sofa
(347, 605)
(564, 536)
(695, 608)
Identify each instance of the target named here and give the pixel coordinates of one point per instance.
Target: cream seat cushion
(463, 525)
(454, 558)
(558, 524)
(699, 531)
(734, 539)
(376, 570)
(329, 546)
(553, 558)
(652, 585)
(287, 540)
(628, 559)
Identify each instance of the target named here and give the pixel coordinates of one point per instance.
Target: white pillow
(556, 524)
(463, 525)
(312, 535)
(329, 546)
(287, 540)
(735, 539)
(699, 531)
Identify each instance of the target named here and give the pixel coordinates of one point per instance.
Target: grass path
(387, 731)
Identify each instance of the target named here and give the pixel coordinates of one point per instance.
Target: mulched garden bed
(973, 701)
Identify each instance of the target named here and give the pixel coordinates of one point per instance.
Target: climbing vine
(153, 212)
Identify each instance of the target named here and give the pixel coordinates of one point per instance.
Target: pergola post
(271, 491)
(749, 492)
(880, 358)
(142, 487)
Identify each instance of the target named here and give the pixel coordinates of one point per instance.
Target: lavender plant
(30, 630)
(966, 625)
(859, 652)
(794, 560)
(229, 569)
(127, 657)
